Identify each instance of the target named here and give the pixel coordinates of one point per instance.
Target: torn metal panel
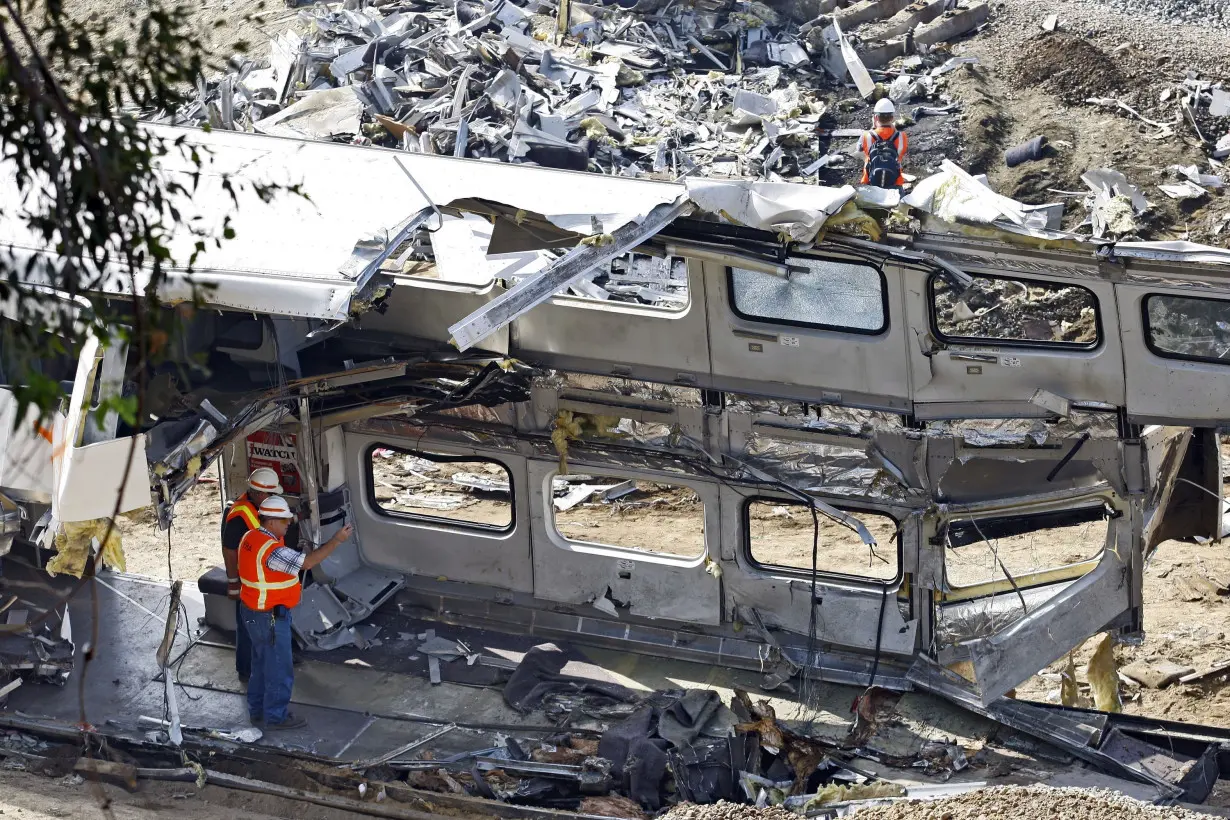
(1177, 251)
(319, 115)
(955, 196)
(1084, 608)
(532, 291)
(798, 211)
(1063, 730)
(301, 274)
(854, 65)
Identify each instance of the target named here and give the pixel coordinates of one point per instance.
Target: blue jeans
(273, 669)
(243, 645)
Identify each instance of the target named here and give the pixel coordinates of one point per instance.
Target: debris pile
(645, 751)
(1011, 310)
(1024, 801)
(722, 87)
(49, 657)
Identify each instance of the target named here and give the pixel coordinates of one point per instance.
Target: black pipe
(1031, 151)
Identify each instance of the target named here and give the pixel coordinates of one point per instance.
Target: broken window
(819, 293)
(1183, 327)
(645, 516)
(441, 489)
(781, 535)
(978, 551)
(1012, 310)
(638, 278)
(16, 339)
(457, 252)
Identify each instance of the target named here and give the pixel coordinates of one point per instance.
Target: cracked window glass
(818, 293)
(1011, 310)
(1182, 327)
(781, 534)
(440, 489)
(645, 516)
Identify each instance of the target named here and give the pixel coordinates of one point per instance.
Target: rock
(1156, 674)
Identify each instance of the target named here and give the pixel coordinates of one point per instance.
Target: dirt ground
(194, 535)
(1030, 83)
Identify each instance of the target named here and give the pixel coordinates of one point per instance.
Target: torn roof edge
(792, 211)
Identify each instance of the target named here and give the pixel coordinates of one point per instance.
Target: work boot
(256, 720)
(292, 721)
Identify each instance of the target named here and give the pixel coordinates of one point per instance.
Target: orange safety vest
(262, 588)
(245, 509)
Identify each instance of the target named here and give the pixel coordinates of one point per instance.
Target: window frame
(229, 315)
(641, 554)
(435, 520)
(1021, 581)
(990, 341)
(885, 322)
(745, 520)
(1152, 347)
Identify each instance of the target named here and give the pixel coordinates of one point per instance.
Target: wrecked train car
(697, 424)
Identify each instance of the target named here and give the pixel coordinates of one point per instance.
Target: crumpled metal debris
(1115, 203)
(660, 89)
(955, 196)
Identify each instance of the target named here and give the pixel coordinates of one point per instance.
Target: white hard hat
(885, 106)
(265, 480)
(275, 506)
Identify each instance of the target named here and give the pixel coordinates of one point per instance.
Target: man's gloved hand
(232, 589)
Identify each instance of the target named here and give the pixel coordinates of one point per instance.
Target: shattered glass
(1188, 327)
(816, 293)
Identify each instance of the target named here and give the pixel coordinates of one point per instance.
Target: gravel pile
(1009, 802)
(722, 810)
(1172, 49)
(1029, 802)
(1214, 13)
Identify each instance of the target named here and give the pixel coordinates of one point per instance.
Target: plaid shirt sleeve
(285, 559)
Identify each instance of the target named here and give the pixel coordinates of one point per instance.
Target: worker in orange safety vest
(269, 591)
(240, 519)
(884, 149)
